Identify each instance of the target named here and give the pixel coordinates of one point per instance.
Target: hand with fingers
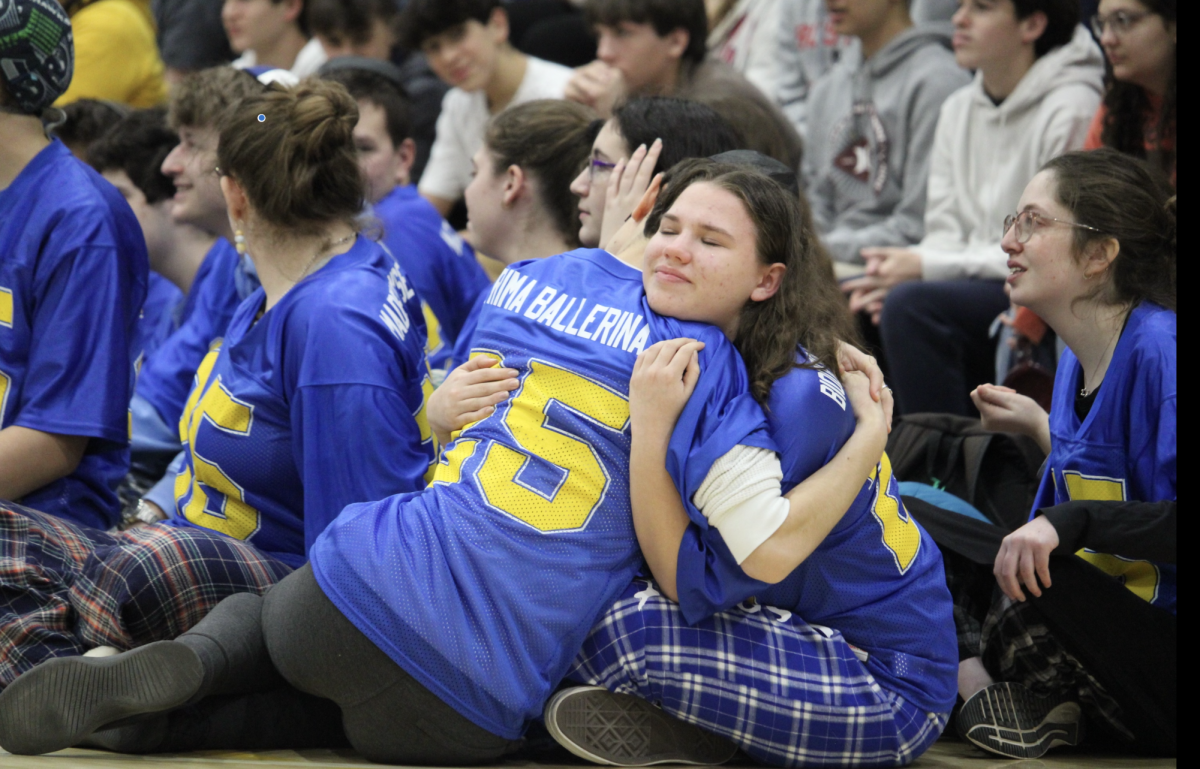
(632, 229)
(627, 184)
(1004, 410)
(1024, 558)
(886, 268)
(470, 393)
(873, 417)
(850, 358)
(596, 85)
(663, 379)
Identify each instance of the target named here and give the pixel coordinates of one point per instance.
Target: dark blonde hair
(203, 98)
(549, 140)
(808, 309)
(292, 151)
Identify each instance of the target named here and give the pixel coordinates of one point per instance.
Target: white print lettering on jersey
(576, 316)
(832, 387)
(393, 313)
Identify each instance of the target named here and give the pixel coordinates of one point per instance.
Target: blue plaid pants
(788, 693)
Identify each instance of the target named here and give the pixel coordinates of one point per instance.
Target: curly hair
(1128, 104)
(808, 310)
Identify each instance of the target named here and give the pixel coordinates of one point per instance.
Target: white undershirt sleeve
(741, 498)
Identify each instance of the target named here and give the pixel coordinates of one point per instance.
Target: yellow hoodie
(116, 55)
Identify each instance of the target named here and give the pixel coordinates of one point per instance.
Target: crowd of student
(293, 461)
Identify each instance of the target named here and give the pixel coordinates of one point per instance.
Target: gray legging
(387, 715)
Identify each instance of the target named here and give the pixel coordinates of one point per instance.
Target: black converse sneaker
(61, 701)
(1010, 720)
(623, 730)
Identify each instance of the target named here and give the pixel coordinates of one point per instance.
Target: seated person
(116, 54)
(500, 574)
(625, 148)
(1037, 86)
(861, 660)
(1092, 251)
(130, 157)
(658, 49)
(519, 202)
(272, 34)
(223, 278)
(273, 430)
(871, 128)
(440, 264)
(1138, 116)
(466, 44)
(72, 283)
(364, 28)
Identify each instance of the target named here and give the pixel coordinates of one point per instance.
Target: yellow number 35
(571, 504)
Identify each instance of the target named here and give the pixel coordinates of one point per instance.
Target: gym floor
(945, 754)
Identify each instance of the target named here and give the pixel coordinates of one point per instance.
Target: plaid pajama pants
(65, 588)
(788, 693)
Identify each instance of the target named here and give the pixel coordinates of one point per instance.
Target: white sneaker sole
(1009, 720)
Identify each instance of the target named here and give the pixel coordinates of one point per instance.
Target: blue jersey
(484, 586)
(160, 313)
(317, 405)
(1125, 449)
(439, 263)
(167, 375)
(462, 347)
(73, 273)
(877, 578)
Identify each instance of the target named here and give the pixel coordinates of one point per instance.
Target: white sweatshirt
(984, 154)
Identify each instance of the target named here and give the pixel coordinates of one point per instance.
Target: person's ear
(515, 183)
(1033, 26)
(498, 25)
(236, 202)
(292, 9)
(769, 282)
(406, 155)
(677, 41)
(1100, 257)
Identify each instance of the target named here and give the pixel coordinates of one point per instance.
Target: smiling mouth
(1015, 270)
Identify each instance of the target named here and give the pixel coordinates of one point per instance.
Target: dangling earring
(239, 242)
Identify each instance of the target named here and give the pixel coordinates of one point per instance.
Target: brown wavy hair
(1128, 201)
(808, 310)
(292, 150)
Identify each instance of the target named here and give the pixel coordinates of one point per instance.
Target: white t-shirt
(308, 60)
(463, 122)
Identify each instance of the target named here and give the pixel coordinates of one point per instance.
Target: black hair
(1127, 106)
(384, 92)
(665, 16)
(87, 120)
(688, 129)
(137, 145)
(348, 20)
(423, 19)
(1062, 17)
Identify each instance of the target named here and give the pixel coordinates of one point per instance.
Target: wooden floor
(942, 756)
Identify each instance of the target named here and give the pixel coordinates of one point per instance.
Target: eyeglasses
(1119, 21)
(596, 165)
(1028, 221)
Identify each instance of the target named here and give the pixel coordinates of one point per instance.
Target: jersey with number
(217, 290)
(160, 313)
(877, 578)
(484, 586)
(439, 263)
(317, 405)
(1125, 449)
(73, 273)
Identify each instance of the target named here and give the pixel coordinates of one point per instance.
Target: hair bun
(323, 116)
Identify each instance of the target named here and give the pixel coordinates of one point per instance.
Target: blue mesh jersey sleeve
(73, 276)
(877, 577)
(484, 586)
(318, 405)
(166, 376)
(1126, 447)
(440, 264)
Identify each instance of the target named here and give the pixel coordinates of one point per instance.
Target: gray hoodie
(870, 131)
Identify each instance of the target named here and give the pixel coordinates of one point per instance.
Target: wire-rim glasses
(1027, 221)
(1119, 21)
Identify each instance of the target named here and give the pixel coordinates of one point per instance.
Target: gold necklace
(322, 250)
(1083, 391)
